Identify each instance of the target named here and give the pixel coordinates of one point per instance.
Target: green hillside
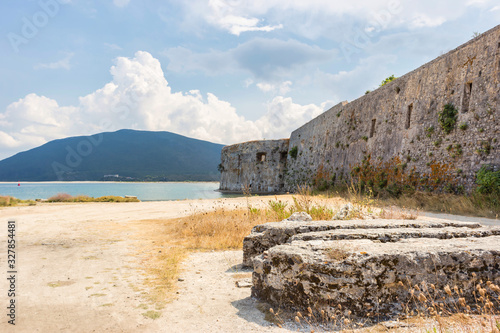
(132, 155)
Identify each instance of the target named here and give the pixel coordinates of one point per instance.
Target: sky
(224, 71)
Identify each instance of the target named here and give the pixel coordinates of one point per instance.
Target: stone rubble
(299, 217)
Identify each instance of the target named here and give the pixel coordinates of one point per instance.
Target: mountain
(121, 155)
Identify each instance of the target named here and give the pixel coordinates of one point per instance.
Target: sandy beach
(80, 269)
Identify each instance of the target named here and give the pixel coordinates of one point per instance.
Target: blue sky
(220, 70)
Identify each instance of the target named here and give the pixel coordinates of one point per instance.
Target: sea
(160, 191)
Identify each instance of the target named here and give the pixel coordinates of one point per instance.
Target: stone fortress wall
(398, 121)
(258, 165)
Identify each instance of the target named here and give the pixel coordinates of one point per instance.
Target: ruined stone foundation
(375, 272)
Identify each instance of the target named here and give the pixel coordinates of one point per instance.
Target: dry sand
(80, 269)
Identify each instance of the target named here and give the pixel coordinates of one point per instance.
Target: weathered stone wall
(369, 268)
(397, 119)
(260, 165)
(374, 280)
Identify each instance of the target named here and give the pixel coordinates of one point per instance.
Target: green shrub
(387, 80)
(294, 151)
(448, 118)
(8, 201)
(278, 208)
(485, 148)
(60, 197)
(488, 181)
(429, 131)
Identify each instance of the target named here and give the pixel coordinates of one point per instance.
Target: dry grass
(65, 197)
(217, 230)
(398, 213)
(473, 205)
(7, 201)
(223, 229)
(174, 239)
(429, 310)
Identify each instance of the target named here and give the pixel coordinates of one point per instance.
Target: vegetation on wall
(394, 183)
(294, 151)
(448, 118)
(387, 80)
(393, 177)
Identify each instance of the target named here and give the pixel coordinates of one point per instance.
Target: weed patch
(65, 197)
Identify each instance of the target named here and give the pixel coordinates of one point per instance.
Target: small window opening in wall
(408, 116)
(480, 73)
(466, 97)
(283, 156)
(499, 45)
(372, 130)
(398, 90)
(261, 157)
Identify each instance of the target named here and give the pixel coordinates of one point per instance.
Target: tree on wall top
(387, 80)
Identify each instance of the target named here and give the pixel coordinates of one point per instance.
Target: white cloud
(283, 116)
(282, 88)
(8, 141)
(61, 64)
(495, 9)
(422, 21)
(32, 121)
(139, 97)
(121, 3)
(113, 47)
(225, 15)
(237, 24)
(337, 18)
(266, 87)
(351, 84)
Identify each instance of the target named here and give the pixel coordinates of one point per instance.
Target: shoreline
(144, 191)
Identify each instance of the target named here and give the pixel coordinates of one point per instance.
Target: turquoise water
(143, 191)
